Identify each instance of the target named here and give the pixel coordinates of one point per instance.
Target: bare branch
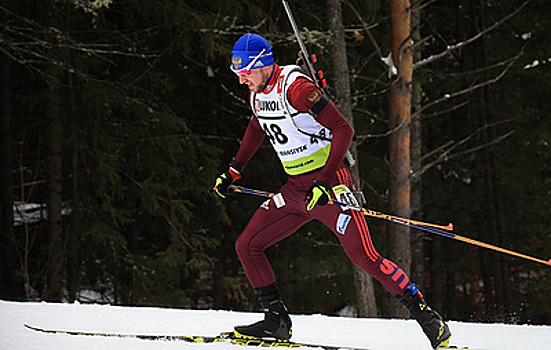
(438, 113)
(29, 43)
(421, 4)
(459, 45)
(371, 114)
(389, 132)
(437, 150)
(366, 29)
(449, 146)
(509, 63)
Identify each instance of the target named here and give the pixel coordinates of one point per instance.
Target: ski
(226, 337)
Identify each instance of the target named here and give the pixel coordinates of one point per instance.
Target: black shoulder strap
(316, 109)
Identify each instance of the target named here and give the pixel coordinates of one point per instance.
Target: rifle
(307, 63)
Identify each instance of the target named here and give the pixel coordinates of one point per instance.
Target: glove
(223, 182)
(318, 194)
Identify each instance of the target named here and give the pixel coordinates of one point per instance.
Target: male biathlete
(311, 138)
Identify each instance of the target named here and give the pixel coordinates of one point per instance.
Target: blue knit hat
(251, 51)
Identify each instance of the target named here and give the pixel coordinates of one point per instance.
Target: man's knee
(247, 247)
(368, 264)
(241, 247)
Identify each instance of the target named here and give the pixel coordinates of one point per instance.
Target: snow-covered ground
(376, 334)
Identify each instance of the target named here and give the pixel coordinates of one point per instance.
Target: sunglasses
(247, 70)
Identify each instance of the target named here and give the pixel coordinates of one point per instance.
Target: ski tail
(187, 338)
(225, 337)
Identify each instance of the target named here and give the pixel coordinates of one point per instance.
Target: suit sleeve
(304, 95)
(251, 142)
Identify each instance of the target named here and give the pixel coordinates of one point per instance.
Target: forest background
(117, 115)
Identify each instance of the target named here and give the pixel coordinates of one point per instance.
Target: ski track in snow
(373, 334)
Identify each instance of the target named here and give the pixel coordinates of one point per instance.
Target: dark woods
(116, 116)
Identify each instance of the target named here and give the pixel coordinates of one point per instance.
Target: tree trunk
(54, 140)
(399, 246)
(56, 249)
(493, 192)
(73, 238)
(495, 287)
(417, 246)
(491, 185)
(7, 239)
(363, 282)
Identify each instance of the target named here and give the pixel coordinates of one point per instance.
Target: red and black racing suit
(272, 223)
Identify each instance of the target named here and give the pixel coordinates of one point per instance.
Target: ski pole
(427, 227)
(480, 244)
(367, 212)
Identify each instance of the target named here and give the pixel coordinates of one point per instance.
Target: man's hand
(318, 194)
(223, 182)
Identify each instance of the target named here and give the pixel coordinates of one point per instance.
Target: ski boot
(276, 324)
(430, 321)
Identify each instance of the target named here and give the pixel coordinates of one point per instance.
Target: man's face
(256, 79)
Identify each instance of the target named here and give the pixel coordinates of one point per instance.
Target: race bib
(344, 196)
